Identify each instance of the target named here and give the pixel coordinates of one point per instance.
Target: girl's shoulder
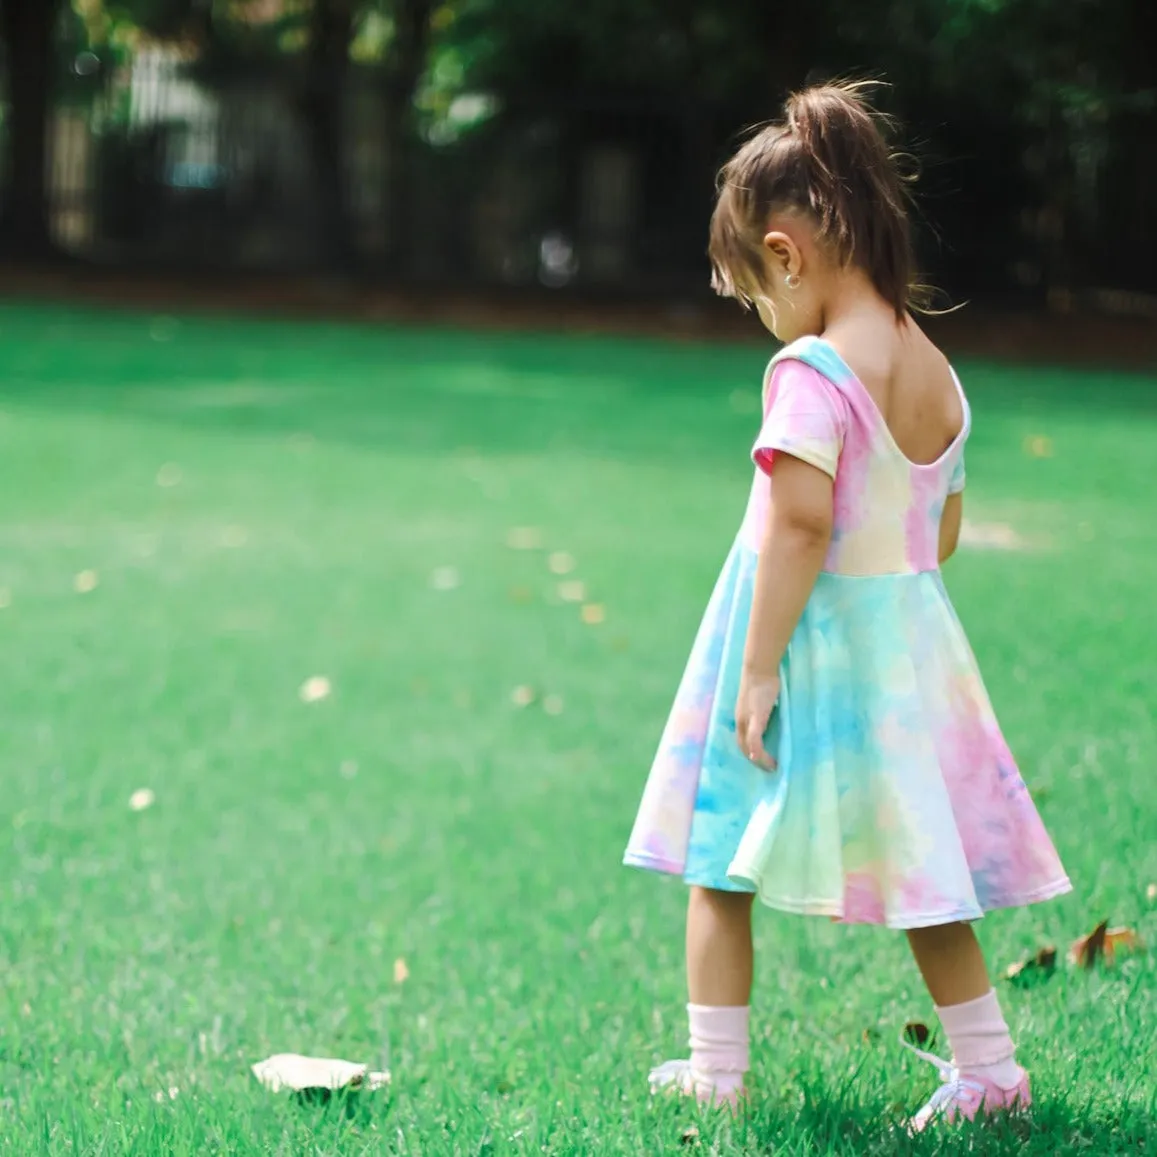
(816, 353)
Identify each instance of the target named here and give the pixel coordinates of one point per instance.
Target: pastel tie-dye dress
(896, 800)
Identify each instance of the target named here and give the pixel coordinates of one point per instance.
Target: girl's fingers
(754, 747)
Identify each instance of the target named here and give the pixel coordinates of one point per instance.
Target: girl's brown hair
(827, 158)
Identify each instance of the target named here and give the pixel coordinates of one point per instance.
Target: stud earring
(792, 281)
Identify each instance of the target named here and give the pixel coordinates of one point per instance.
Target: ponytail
(829, 158)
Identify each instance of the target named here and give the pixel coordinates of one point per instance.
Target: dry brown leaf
(1035, 969)
(1123, 940)
(593, 614)
(401, 971)
(990, 536)
(142, 798)
(315, 689)
(524, 538)
(917, 1033)
(1104, 943)
(561, 562)
(572, 591)
(1086, 951)
(445, 578)
(85, 582)
(301, 1074)
(522, 696)
(689, 1136)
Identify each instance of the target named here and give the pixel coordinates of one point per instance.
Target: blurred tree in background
(1032, 120)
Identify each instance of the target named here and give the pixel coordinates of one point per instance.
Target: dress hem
(835, 910)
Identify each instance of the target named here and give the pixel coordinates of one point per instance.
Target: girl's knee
(717, 898)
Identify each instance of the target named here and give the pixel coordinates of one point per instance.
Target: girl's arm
(950, 521)
(799, 530)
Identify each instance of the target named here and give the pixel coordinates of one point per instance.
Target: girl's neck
(854, 301)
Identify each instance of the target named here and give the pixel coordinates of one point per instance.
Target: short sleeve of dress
(959, 474)
(805, 416)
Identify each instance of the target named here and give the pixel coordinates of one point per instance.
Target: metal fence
(158, 169)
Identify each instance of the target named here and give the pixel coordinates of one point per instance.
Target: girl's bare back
(910, 381)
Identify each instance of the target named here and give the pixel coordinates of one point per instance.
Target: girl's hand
(753, 708)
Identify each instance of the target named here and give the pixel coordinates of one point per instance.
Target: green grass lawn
(262, 503)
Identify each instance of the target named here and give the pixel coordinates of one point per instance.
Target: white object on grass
(300, 1074)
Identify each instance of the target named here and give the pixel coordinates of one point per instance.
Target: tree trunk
(26, 28)
(404, 71)
(322, 109)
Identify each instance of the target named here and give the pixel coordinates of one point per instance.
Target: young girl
(831, 748)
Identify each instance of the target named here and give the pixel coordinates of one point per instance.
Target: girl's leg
(720, 957)
(719, 971)
(952, 964)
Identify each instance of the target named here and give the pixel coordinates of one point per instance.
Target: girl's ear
(783, 253)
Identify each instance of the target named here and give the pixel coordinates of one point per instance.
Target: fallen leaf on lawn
(142, 798)
(593, 613)
(1123, 940)
(1086, 951)
(524, 538)
(169, 475)
(5, 597)
(552, 705)
(1151, 892)
(85, 582)
(302, 1074)
(572, 591)
(917, 1033)
(314, 689)
(560, 562)
(1033, 970)
(990, 536)
(689, 1136)
(522, 696)
(401, 971)
(445, 578)
(1038, 446)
